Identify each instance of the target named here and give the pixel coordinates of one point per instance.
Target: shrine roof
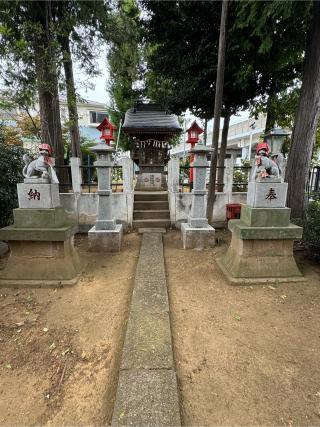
(150, 118)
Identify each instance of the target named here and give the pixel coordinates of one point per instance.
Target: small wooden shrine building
(151, 127)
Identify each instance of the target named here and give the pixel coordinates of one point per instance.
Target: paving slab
(148, 342)
(147, 398)
(152, 230)
(150, 295)
(147, 391)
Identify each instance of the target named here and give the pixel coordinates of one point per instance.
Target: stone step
(150, 196)
(146, 223)
(151, 214)
(151, 205)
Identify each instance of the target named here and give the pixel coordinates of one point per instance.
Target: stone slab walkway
(147, 391)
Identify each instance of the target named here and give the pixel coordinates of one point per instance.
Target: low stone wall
(82, 208)
(180, 205)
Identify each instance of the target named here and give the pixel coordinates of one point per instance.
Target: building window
(97, 116)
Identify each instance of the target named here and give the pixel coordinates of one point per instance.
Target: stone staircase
(151, 210)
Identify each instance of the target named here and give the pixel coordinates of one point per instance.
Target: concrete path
(147, 391)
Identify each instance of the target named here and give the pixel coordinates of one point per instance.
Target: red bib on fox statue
(263, 146)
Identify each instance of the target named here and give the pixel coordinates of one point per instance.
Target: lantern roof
(150, 119)
(196, 128)
(106, 124)
(277, 131)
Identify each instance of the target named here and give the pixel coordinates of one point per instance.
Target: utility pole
(217, 109)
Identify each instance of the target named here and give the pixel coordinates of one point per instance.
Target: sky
(98, 92)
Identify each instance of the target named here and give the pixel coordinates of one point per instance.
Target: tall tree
(28, 41)
(217, 109)
(306, 121)
(79, 26)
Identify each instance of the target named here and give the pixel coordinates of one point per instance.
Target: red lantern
(106, 128)
(194, 132)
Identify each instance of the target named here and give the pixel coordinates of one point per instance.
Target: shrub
(11, 165)
(312, 227)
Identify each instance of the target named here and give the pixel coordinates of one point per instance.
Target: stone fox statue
(42, 167)
(264, 166)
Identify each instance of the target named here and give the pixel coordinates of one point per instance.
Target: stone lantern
(106, 128)
(194, 132)
(197, 233)
(105, 235)
(275, 138)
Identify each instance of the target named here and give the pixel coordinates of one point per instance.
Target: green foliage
(11, 166)
(85, 145)
(265, 45)
(311, 233)
(124, 59)
(241, 176)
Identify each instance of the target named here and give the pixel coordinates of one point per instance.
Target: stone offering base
(42, 249)
(105, 240)
(260, 254)
(197, 238)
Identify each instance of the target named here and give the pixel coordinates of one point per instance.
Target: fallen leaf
(271, 287)
(52, 346)
(283, 296)
(20, 323)
(64, 352)
(45, 329)
(8, 366)
(237, 317)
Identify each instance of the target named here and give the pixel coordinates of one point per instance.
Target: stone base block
(267, 194)
(38, 196)
(40, 218)
(259, 261)
(265, 217)
(245, 232)
(197, 238)
(105, 240)
(41, 264)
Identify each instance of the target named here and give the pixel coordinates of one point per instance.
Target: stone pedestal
(41, 245)
(261, 249)
(197, 238)
(33, 194)
(105, 235)
(105, 240)
(197, 233)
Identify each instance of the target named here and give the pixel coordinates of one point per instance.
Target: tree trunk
(217, 109)
(71, 98)
(47, 82)
(306, 121)
(223, 149)
(271, 119)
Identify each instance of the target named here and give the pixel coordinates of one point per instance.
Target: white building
(243, 135)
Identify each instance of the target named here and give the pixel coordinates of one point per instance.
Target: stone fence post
(127, 174)
(128, 188)
(75, 163)
(173, 174)
(228, 177)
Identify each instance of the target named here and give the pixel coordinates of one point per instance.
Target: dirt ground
(60, 348)
(244, 355)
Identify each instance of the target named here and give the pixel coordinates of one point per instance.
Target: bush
(312, 227)
(11, 165)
